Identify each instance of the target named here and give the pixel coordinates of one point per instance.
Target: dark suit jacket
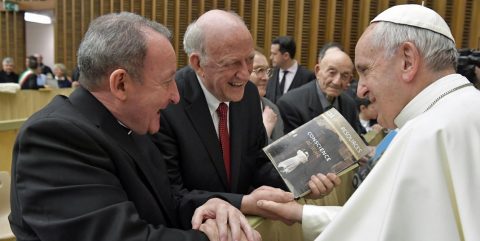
(192, 149)
(8, 78)
(302, 77)
(301, 105)
(78, 175)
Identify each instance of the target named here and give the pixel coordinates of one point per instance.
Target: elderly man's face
(379, 80)
(228, 65)
(8, 68)
(334, 72)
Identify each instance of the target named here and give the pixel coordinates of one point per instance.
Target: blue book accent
(363, 171)
(382, 146)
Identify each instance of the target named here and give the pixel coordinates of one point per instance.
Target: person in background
(44, 69)
(406, 62)
(85, 168)
(212, 140)
(334, 72)
(42, 79)
(7, 74)
(59, 71)
(271, 115)
(287, 74)
(28, 79)
(367, 116)
(75, 77)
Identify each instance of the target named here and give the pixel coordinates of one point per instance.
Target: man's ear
(410, 60)
(317, 70)
(194, 60)
(118, 84)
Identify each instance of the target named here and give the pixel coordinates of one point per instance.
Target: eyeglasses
(262, 70)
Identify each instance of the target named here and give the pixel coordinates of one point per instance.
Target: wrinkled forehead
(229, 47)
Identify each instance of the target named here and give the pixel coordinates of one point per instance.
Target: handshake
(219, 220)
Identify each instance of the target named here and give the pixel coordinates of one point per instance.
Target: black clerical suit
(78, 174)
(192, 149)
(8, 77)
(302, 76)
(301, 105)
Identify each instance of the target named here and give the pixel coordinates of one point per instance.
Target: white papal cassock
(426, 186)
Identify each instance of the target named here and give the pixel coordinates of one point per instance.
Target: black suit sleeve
(188, 200)
(65, 186)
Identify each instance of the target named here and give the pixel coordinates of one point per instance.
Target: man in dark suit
(45, 69)
(192, 137)
(287, 73)
(7, 74)
(83, 166)
(334, 73)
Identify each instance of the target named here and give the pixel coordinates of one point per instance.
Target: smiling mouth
(236, 84)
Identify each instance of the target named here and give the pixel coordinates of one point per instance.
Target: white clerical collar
(128, 130)
(427, 96)
(212, 101)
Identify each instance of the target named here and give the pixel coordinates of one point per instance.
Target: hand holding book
(326, 144)
(321, 185)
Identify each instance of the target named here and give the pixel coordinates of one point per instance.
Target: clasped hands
(219, 220)
(276, 204)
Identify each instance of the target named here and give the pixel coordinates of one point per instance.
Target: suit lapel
(273, 85)
(295, 80)
(196, 108)
(314, 106)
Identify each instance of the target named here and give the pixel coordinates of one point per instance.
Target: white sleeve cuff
(316, 218)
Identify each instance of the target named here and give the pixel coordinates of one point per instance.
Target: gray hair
(193, 41)
(438, 51)
(194, 37)
(61, 67)
(326, 47)
(7, 60)
(115, 41)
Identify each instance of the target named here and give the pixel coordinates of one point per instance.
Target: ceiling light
(37, 18)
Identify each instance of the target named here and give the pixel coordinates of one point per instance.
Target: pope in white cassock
(426, 185)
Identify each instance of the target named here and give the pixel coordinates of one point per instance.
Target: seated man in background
(334, 73)
(7, 74)
(44, 69)
(271, 115)
(424, 187)
(213, 139)
(28, 79)
(83, 167)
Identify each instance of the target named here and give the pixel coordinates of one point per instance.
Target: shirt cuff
(316, 218)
